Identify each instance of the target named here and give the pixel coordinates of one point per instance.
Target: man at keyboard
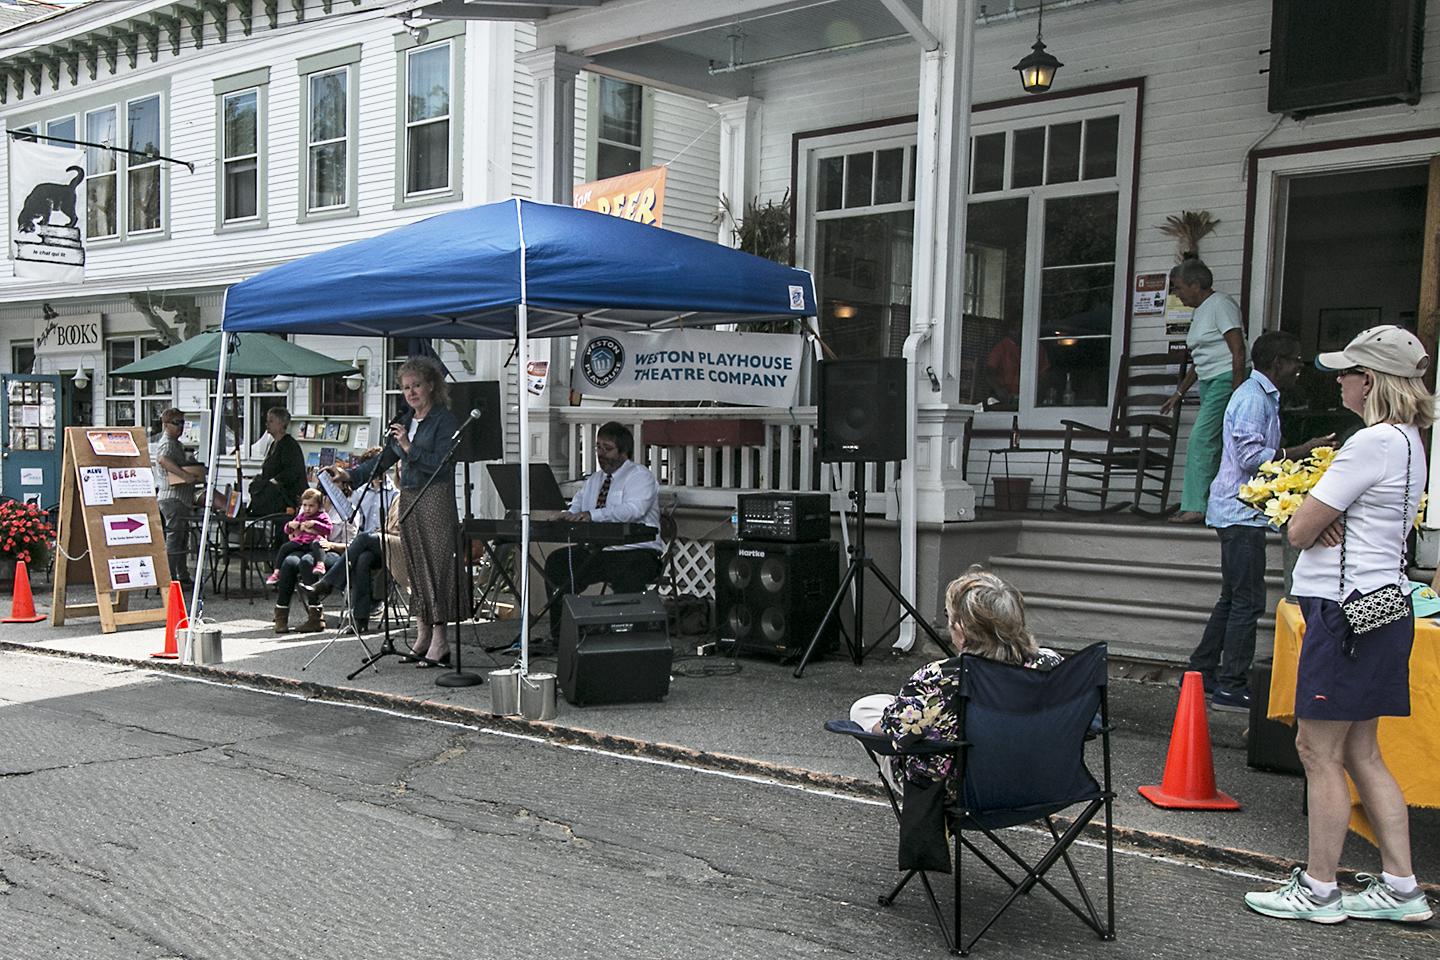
(620, 491)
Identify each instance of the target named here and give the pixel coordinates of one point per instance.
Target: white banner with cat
(47, 210)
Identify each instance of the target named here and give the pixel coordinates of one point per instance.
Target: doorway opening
(1352, 253)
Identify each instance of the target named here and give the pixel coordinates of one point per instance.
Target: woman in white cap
(1354, 663)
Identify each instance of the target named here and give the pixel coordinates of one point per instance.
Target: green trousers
(1202, 453)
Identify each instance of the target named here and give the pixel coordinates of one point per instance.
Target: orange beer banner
(638, 196)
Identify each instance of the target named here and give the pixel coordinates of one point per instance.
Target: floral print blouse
(922, 712)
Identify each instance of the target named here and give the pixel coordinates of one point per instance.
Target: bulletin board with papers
(110, 532)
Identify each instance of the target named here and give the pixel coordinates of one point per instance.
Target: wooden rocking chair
(1135, 458)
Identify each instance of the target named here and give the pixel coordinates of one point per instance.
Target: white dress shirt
(634, 497)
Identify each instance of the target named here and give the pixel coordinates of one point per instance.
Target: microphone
(474, 415)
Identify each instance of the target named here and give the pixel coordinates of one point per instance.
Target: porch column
(937, 299)
(931, 490)
(554, 70)
(739, 175)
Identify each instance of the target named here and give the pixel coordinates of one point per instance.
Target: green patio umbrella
(252, 355)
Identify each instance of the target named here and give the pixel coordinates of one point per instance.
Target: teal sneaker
(1295, 901)
(1380, 901)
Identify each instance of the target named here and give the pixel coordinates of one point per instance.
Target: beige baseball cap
(1388, 349)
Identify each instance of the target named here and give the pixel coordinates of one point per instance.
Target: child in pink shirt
(310, 526)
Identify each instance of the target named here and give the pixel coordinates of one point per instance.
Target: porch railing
(785, 457)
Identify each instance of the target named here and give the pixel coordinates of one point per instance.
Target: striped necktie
(604, 492)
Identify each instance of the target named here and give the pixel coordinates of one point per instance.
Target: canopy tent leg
(217, 432)
(522, 359)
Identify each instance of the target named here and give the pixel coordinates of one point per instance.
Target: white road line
(672, 764)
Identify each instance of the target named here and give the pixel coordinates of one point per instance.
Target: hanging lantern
(1037, 69)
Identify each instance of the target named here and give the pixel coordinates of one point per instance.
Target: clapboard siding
(686, 136)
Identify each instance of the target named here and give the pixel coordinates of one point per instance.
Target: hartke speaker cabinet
(862, 410)
(769, 597)
(614, 648)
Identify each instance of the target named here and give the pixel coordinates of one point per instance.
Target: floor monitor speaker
(614, 648)
(862, 410)
(770, 597)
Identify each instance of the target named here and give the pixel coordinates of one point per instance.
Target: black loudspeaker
(1270, 744)
(614, 648)
(862, 410)
(769, 597)
(485, 438)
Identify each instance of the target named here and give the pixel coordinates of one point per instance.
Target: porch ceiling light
(1037, 69)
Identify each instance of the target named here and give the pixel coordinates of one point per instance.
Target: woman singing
(1352, 530)
(427, 536)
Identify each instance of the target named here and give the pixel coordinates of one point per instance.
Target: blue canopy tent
(513, 270)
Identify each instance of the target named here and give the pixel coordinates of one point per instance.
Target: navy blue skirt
(1332, 686)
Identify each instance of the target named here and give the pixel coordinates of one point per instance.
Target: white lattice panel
(694, 568)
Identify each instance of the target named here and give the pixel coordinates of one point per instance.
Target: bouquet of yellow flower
(1280, 486)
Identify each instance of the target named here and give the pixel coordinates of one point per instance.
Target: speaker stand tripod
(860, 562)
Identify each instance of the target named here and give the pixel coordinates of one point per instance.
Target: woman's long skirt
(427, 538)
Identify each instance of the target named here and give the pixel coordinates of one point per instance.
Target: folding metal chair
(1020, 759)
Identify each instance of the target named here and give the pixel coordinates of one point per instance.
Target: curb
(1142, 841)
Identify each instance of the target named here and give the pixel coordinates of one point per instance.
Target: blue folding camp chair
(1020, 759)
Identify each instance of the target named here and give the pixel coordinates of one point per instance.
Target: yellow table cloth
(1410, 745)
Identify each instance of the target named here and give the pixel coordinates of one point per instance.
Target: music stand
(544, 488)
(328, 485)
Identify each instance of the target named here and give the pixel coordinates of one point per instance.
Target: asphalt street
(150, 816)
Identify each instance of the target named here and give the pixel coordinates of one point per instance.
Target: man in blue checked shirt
(1251, 435)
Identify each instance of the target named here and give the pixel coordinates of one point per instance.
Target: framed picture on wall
(1338, 326)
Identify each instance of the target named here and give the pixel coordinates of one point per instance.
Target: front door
(30, 443)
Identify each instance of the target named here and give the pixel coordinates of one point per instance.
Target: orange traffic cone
(22, 604)
(1189, 781)
(175, 619)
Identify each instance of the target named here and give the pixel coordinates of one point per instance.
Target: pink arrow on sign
(129, 524)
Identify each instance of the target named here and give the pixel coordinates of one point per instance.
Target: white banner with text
(758, 369)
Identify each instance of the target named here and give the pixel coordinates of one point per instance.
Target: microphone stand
(459, 678)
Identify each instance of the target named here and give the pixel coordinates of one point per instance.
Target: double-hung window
(240, 119)
(618, 122)
(329, 111)
(102, 189)
(428, 121)
(144, 168)
(134, 402)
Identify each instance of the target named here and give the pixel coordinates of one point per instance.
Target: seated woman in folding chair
(987, 619)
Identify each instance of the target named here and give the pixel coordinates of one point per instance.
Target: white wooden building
(900, 130)
(938, 205)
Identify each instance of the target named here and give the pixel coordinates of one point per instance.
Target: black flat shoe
(425, 663)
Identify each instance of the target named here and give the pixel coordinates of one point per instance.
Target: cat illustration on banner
(49, 198)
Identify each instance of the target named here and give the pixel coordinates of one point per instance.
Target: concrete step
(1122, 580)
(1141, 630)
(1153, 542)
